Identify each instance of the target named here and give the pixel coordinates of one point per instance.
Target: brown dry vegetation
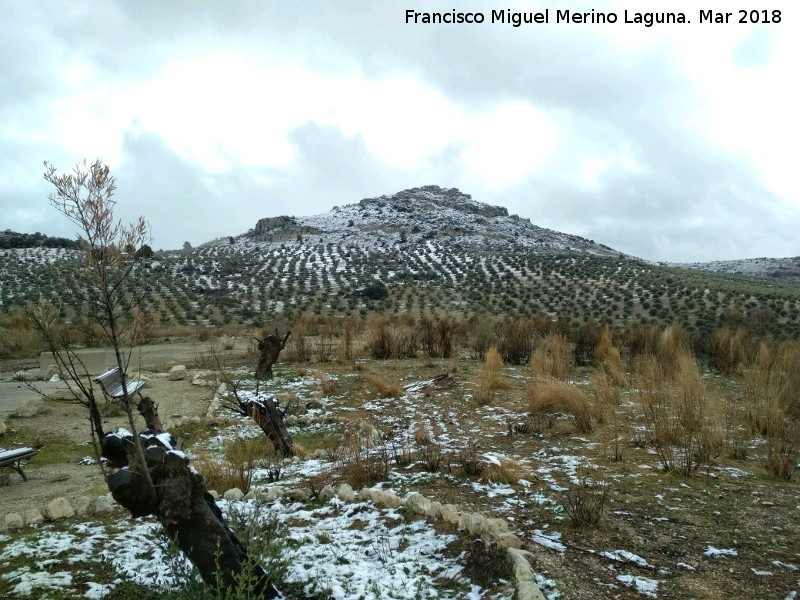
(682, 458)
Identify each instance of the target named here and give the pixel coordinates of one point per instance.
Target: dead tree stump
(269, 348)
(183, 505)
(267, 413)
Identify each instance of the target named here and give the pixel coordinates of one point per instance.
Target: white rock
(299, 494)
(234, 494)
(51, 370)
(475, 524)
(30, 408)
(81, 505)
(327, 492)
(3, 428)
(60, 508)
(214, 494)
(509, 540)
(418, 503)
(525, 581)
(104, 504)
(450, 514)
(177, 373)
(386, 499)
(222, 389)
(345, 493)
(33, 516)
(274, 493)
(14, 521)
(434, 510)
(494, 528)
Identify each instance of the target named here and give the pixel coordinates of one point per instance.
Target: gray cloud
(687, 199)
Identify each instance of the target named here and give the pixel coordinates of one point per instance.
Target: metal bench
(111, 383)
(13, 458)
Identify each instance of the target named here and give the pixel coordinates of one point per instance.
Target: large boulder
(81, 505)
(30, 408)
(60, 508)
(177, 373)
(233, 494)
(3, 428)
(33, 516)
(14, 521)
(104, 504)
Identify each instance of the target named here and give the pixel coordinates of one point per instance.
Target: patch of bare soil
(62, 436)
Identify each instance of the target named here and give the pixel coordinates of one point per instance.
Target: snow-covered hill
(419, 214)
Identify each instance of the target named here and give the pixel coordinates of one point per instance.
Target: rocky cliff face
(274, 229)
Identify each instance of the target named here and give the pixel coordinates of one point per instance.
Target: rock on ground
(33, 516)
(30, 408)
(234, 494)
(104, 504)
(14, 521)
(177, 373)
(59, 508)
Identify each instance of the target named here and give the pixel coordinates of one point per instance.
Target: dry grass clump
(585, 503)
(771, 399)
(673, 344)
(391, 341)
(385, 388)
(607, 358)
(492, 378)
(328, 386)
(641, 339)
(499, 469)
(606, 395)
(552, 359)
(236, 469)
(730, 349)
(492, 375)
(421, 435)
(345, 351)
(363, 468)
(684, 425)
(551, 396)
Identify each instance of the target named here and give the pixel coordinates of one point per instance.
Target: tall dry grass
(552, 396)
(684, 425)
(730, 349)
(491, 378)
(552, 359)
(673, 345)
(606, 395)
(607, 358)
(771, 399)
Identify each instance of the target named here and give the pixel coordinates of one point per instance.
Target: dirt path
(62, 429)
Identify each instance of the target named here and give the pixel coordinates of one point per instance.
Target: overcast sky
(673, 142)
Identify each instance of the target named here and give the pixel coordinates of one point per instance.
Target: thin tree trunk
(186, 510)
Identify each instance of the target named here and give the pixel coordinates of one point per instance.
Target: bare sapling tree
(152, 476)
(104, 281)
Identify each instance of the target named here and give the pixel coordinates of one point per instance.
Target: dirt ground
(59, 432)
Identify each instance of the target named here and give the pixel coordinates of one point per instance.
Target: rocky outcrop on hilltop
(421, 214)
